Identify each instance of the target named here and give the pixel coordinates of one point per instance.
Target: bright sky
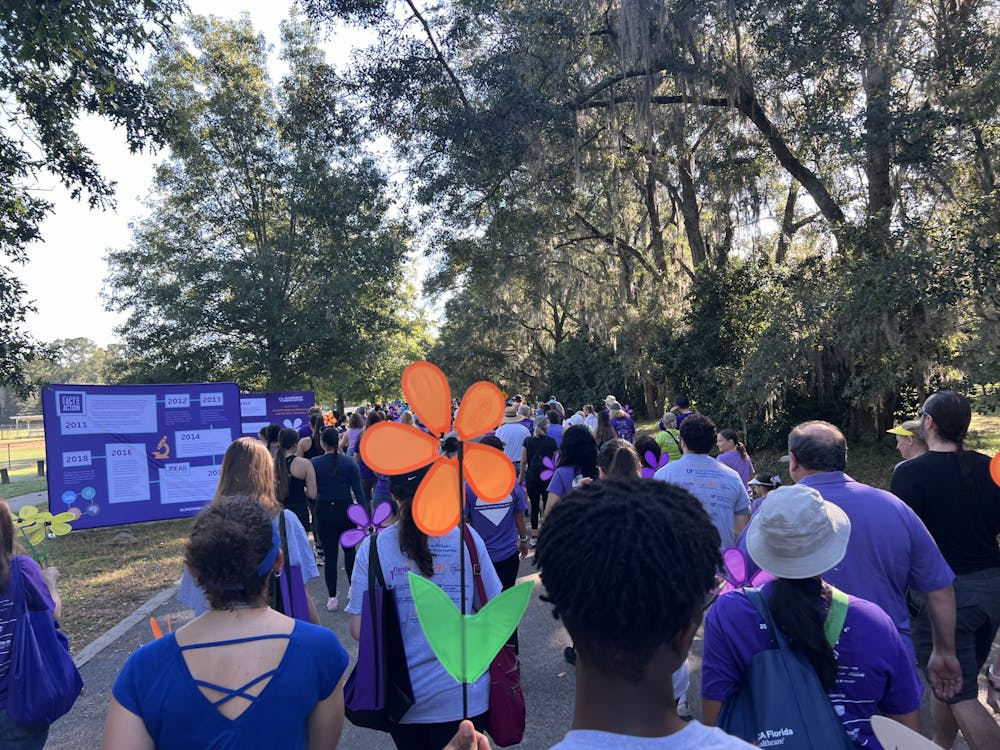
(66, 273)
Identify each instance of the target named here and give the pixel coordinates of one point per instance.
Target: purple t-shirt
(624, 428)
(555, 432)
(495, 522)
(529, 425)
(562, 480)
(890, 548)
(742, 466)
(38, 597)
(875, 672)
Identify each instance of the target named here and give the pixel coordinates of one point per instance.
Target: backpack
(781, 702)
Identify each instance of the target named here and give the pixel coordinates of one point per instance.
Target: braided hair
(651, 553)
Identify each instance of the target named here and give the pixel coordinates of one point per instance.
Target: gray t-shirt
(694, 736)
(719, 488)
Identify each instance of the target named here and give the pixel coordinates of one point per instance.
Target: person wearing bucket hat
(513, 434)
(797, 536)
(909, 440)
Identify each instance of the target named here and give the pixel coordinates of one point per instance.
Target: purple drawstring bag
(378, 692)
(44, 681)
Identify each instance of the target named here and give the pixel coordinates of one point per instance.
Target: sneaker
(683, 709)
(569, 654)
(320, 558)
(534, 542)
(332, 604)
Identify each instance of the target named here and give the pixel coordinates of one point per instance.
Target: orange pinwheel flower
(394, 448)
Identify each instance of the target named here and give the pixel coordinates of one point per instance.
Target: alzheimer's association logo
(69, 402)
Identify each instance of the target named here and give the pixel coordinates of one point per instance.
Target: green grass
(107, 573)
(20, 458)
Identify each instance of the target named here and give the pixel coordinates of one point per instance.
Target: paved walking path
(549, 682)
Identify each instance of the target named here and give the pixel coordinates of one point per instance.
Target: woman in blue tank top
(241, 675)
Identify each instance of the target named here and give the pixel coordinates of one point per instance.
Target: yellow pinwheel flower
(26, 516)
(35, 533)
(59, 524)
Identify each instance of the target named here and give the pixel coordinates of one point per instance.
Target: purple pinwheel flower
(652, 464)
(628, 410)
(736, 571)
(367, 526)
(550, 464)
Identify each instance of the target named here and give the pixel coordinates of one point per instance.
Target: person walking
(797, 536)
(294, 477)
(403, 548)
(733, 453)
(890, 549)
(338, 485)
(39, 588)
(536, 449)
(950, 489)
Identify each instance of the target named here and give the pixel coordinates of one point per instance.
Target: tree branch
(439, 54)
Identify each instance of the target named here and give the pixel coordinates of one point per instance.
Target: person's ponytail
(288, 438)
(793, 607)
(412, 541)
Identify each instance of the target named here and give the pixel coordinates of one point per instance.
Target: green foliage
(58, 61)
(584, 371)
(784, 209)
(268, 256)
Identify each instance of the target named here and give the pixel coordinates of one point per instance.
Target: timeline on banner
(124, 454)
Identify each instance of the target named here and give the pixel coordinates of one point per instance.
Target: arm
(304, 445)
(740, 521)
(313, 613)
(524, 465)
(326, 721)
(522, 534)
(550, 503)
(310, 481)
(123, 729)
(51, 576)
(355, 478)
(943, 670)
(910, 720)
(993, 686)
(710, 710)
(355, 627)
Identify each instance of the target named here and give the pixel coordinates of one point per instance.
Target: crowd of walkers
(865, 588)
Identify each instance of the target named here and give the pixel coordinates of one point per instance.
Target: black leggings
(538, 492)
(332, 521)
(429, 736)
(507, 573)
(301, 510)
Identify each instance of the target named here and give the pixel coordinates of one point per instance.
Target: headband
(268, 562)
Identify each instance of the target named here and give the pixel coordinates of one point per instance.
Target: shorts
(977, 619)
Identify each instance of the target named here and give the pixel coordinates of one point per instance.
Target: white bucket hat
(797, 534)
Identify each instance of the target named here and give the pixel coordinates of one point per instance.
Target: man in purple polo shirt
(890, 548)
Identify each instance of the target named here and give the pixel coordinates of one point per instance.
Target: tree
(59, 60)
(626, 152)
(76, 360)
(268, 256)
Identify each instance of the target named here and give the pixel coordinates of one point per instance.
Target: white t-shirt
(513, 436)
(694, 736)
(437, 697)
(299, 553)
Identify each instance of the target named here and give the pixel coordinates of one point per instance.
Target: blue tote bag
(781, 703)
(44, 681)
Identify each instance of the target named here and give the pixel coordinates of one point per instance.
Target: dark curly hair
(229, 539)
(578, 449)
(651, 554)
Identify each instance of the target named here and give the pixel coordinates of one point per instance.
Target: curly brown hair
(229, 539)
